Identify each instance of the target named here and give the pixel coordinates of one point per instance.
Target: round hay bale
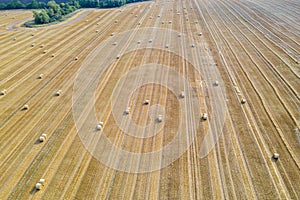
(101, 123)
(167, 46)
(52, 55)
(204, 116)
(243, 101)
(150, 41)
(182, 94)
(58, 93)
(14, 39)
(38, 186)
(42, 46)
(97, 31)
(200, 34)
(45, 51)
(127, 111)
(147, 101)
(216, 83)
(159, 118)
(193, 45)
(112, 34)
(118, 56)
(41, 76)
(44, 135)
(275, 156)
(42, 181)
(33, 44)
(42, 139)
(76, 58)
(98, 127)
(3, 92)
(25, 107)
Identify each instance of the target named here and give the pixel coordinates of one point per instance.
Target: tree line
(52, 11)
(17, 4)
(105, 3)
(41, 4)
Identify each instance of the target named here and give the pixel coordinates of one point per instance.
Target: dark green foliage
(54, 12)
(17, 4)
(33, 5)
(27, 4)
(2, 6)
(105, 3)
(42, 4)
(14, 4)
(115, 3)
(41, 17)
(29, 1)
(74, 3)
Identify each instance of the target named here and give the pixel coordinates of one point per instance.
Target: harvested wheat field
(166, 99)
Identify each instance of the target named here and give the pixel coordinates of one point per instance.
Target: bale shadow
(37, 142)
(274, 160)
(33, 191)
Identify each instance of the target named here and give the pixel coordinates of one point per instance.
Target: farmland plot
(183, 99)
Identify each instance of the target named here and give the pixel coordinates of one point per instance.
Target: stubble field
(250, 47)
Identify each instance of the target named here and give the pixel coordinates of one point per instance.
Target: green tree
(54, 6)
(19, 5)
(41, 17)
(15, 4)
(2, 6)
(42, 5)
(33, 5)
(74, 3)
(54, 11)
(97, 3)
